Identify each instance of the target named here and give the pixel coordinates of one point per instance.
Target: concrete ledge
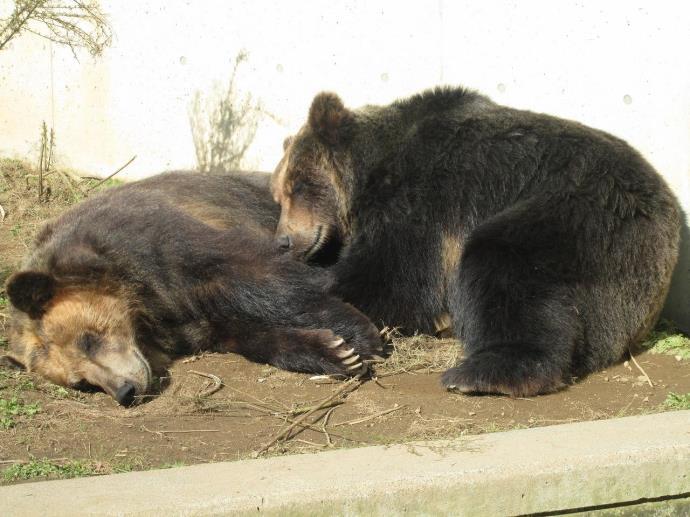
(546, 469)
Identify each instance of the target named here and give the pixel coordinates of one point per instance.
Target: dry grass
(419, 353)
(437, 426)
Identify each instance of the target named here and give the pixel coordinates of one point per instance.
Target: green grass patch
(17, 380)
(55, 391)
(677, 401)
(13, 408)
(5, 376)
(52, 469)
(667, 339)
(45, 468)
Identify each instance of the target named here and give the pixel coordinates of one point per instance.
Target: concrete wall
(619, 66)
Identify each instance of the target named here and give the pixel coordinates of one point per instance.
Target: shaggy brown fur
(173, 265)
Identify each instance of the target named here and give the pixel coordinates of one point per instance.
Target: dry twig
(346, 388)
(189, 431)
(370, 417)
(323, 427)
(649, 381)
(216, 386)
(113, 174)
(73, 23)
(179, 431)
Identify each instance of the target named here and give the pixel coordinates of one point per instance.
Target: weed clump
(51, 469)
(667, 339)
(677, 401)
(12, 408)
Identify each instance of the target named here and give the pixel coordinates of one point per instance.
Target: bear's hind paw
(471, 379)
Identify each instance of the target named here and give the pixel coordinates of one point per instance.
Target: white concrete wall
(619, 66)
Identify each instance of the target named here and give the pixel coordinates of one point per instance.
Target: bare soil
(179, 426)
(187, 424)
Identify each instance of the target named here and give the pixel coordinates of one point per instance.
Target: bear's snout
(284, 242)
(125, 394)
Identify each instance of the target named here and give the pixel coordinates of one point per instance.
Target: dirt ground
(183, 427)
(218, 407)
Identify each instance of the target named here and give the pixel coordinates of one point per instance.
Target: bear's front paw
(322, 351)
(368, 345)
(348, 357)
(339, 352)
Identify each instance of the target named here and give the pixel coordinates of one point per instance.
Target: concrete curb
(547, 469)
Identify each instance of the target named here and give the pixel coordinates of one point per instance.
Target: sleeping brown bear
(171, 265)
(548, 246)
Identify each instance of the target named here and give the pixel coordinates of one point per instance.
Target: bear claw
(350, 360)
(336, 343)
(343, 354)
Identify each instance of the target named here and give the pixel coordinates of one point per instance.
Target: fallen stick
(216, 386)
(189, 431)
(285, 418)
(113, 174)
(370, 417)
(401, 371)
(346, 388)
(640, 368)
(260, 401)
(323, 427)
(144, 428)
(299, 411)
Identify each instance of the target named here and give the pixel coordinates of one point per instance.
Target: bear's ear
(286, 143)
(30, 291)
(329, 118)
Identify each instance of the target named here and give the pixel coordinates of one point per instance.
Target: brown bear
(548, 246)
(171, 265)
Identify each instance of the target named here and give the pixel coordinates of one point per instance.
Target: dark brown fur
(550, 244)
(172, 265)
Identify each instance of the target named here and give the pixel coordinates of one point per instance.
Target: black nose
(125, 394)
(284, 242)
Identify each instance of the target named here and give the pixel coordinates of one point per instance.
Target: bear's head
(76, 333)
(313, 182)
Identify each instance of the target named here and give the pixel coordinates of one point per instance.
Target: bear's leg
(513, 307)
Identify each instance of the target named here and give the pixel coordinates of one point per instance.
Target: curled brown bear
(168, 266)
(546, 246)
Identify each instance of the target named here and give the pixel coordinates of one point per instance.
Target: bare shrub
(72, 23)
(223, 124)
